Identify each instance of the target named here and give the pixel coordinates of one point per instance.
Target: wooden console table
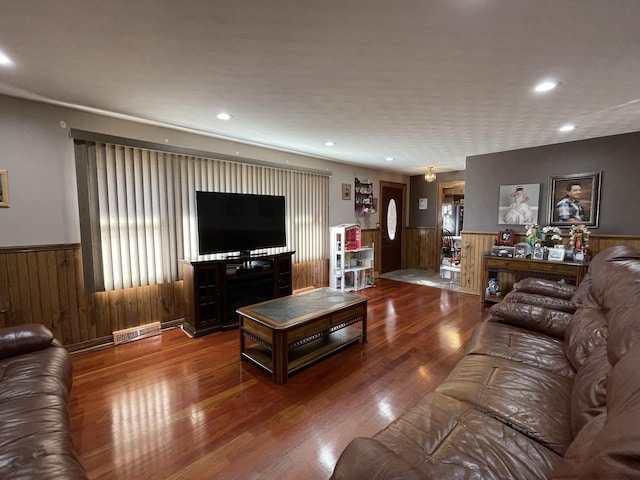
(510, 270)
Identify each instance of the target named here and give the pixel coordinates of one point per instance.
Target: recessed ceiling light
(224, 116)
(546, 85)
(329, 143)
(389, 159)
(4, 59)
(567, 128)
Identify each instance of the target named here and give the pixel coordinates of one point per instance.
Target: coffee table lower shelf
(304, 355)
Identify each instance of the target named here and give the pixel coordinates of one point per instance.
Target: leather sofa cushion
(542, 286)
(533, 401)
(586, 329)
(541, 301)
(370, 459)
(447, 438)
(36, 441)
(24, 339)
(514, 343)
(589, 395)
(576, 454)
(538, 319)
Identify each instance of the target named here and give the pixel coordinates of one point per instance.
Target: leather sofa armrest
(370, 459)
(532, 317)
(24, 339)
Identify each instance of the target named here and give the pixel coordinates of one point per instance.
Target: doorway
(450, 217)
(392, 223)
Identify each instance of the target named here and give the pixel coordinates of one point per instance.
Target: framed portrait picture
(574, 199)
(522, 250)
(4, 188)
(346, 191)
(556, 254)
(538, 252)
(519, 204)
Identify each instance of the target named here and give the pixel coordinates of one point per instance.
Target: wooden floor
(171, 407)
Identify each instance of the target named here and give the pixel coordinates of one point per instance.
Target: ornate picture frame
(574, 199)
(4, 189)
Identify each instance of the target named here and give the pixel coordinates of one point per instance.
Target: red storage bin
(353, 240)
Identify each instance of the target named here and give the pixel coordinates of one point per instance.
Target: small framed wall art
(346, 191)
(4, 188)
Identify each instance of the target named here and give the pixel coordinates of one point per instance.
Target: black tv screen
(231, 222)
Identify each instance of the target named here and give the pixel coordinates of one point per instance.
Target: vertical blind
(138, 212)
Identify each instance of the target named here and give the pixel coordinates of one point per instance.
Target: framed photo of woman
(574, 199)
(4, 188)
(518, 204)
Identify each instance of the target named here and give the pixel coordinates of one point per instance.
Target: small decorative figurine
(494, 287)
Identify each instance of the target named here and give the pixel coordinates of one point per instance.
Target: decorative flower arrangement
(556, 235)
(579, 237)
(533, 233)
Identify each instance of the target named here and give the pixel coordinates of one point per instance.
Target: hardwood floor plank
(172, 407)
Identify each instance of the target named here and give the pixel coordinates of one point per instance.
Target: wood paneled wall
(420, 248)
(45, 285)
(373, 237)
(420, 252)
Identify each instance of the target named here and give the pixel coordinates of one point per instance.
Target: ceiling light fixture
(389, 159)
(329, 143)
(546, 85)
(224, 116)
(567, 128)
(430, 176)
(4, 59)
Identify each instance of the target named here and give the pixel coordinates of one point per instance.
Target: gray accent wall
(617, 157)
(421, 189)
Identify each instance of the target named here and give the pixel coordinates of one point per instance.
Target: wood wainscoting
(44, 284)
(421, 252)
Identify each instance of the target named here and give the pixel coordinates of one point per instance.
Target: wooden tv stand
(215, 289)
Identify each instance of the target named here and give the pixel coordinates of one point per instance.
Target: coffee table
(287, 334)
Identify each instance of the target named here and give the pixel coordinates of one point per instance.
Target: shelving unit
(363, 194)
(351, 264)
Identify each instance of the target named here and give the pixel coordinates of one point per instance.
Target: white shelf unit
(351, 264)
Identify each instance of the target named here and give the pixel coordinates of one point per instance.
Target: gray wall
(615, 156)
(36, 150)
(421, 189)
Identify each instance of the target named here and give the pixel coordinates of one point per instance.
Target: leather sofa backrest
(607, 447)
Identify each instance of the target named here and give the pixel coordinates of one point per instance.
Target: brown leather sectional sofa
(549, 388)
(35, 381)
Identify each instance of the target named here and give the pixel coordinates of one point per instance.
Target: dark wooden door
(392, 226)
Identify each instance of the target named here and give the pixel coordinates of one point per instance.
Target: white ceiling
(427, 82)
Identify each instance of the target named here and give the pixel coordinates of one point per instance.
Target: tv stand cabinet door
(283, 274)
(205, 285)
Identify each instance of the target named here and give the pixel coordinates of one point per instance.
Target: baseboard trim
(108, 340)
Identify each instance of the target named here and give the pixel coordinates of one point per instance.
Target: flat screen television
(239, 222)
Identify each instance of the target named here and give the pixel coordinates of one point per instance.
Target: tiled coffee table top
(288, 308)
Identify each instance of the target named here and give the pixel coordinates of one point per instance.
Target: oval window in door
(392, 219)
